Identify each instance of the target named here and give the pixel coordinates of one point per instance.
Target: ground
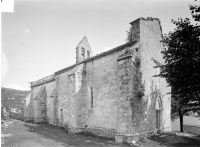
(172, 139)
(16, 133)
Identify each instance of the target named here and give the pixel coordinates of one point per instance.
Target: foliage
(182, 64)
(129, 35)
(12, 99)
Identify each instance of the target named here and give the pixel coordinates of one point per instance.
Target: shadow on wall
(60, 135)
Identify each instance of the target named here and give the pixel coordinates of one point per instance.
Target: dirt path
(21, 134)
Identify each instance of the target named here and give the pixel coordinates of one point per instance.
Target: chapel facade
(114, 94)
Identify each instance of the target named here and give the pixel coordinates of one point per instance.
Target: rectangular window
(91, 91)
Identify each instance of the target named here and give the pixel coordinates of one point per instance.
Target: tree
(182, 65)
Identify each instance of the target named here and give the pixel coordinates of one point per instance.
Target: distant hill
(12, 101)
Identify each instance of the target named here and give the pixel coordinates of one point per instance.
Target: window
(72, 77)
(91, 92)
(61, 117)
(83, 52)
(88, 54)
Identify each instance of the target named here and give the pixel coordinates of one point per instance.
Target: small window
(88, 54)
(92, 97)
(83, 52)
(72, 77)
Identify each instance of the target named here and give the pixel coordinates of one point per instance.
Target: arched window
(158, 105)
(92, 96)
(83, 53)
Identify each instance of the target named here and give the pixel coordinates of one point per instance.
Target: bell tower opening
(83, 50)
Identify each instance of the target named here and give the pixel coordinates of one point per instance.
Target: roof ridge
(82, 40)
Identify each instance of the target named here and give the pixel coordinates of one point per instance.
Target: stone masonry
(114, 94)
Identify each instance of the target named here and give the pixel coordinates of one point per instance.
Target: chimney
(135, 30)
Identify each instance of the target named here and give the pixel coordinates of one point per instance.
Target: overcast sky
(40, 37)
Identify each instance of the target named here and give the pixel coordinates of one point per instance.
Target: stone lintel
(124, 57)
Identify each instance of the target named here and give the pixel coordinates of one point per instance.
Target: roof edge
(43, 80)
(97, 56)
(51, 78)
(147, 19)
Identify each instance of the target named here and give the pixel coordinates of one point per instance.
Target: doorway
(158, 108)
(51, 110)
(158, 121)
(61, 118)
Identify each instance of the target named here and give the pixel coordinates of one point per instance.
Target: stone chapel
(114, 94)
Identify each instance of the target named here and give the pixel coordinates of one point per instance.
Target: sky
(40, 36)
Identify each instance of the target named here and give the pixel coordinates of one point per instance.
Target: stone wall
(40, 107)
(66, 98)
(74, 94)
(52, 108)
(103, 82)
(41, 102)
(28, 108)
(155, 87)
(96, 131)
(137, 112)
(125, 94)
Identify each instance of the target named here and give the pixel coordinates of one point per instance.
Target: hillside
(12, 101)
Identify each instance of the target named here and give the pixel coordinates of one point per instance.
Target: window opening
(91, 90)
(72, 77)
(88, 54)
(83, 52)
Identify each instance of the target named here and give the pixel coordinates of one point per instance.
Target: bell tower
(83, 50)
